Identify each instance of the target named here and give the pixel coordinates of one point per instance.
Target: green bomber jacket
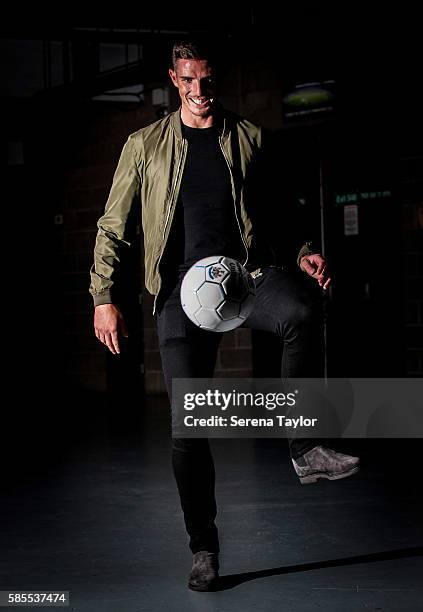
(148, 176)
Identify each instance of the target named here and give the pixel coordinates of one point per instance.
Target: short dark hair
(196, 49)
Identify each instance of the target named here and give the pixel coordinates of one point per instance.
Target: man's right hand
(109, 324)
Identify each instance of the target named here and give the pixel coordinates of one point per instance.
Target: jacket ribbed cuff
(306, 249)
(102, 298)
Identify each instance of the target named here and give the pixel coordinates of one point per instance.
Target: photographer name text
(279, 420)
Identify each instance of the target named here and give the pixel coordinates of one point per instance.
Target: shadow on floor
(234, 580)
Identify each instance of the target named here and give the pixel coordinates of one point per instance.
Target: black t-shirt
(204, 223)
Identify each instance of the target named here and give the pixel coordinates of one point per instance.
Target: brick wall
(87, 179)
(87, 182)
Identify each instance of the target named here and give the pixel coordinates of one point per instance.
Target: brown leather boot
(205, 571)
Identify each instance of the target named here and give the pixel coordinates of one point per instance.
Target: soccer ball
(217, 293)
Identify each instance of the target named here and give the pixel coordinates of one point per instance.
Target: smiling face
(195, 81)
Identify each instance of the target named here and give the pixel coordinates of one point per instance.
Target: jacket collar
(221, 116)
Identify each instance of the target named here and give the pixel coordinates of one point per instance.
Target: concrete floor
(100, 517)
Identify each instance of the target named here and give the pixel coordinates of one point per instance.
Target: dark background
(88, 501)
(62, 139)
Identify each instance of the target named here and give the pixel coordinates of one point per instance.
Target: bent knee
(300, 316)
(303, 314)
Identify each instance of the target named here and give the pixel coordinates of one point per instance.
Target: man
(193, 176)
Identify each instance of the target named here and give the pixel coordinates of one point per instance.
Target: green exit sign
(361, 196)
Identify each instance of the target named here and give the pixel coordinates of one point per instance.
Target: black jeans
(284, 305)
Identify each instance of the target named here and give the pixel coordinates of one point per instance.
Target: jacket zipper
(234, 198)
(172, 195)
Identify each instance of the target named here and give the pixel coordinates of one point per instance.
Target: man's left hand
(315, 265)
